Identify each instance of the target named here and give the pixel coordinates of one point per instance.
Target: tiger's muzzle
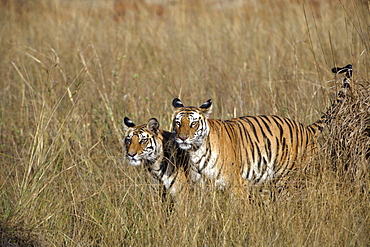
(133, 159)
(183, 142)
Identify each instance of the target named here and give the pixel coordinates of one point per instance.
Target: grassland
(70, 73)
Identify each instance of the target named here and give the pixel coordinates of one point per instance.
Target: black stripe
(267, 125)
(268, 151)
(207, 156)
(261, 128)
(264, 167)
(307, 137)
(301, 130)
(279, 125)
(252, 127)
(277, 150)
(297, 141)
(241, 125)
(228, 130)
(289, 124)
(254, 144)
(259, 157)
(284, 153)
(237, 126)
(319, 127)
(173, 180)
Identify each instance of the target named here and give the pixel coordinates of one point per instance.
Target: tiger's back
(259, 148)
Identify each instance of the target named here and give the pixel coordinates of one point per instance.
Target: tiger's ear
(206, 108)
(177, 103)
(153, 125)
(128, 123)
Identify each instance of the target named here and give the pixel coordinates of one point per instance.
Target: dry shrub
(348, 137)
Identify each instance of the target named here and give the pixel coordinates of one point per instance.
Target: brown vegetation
(70, 73)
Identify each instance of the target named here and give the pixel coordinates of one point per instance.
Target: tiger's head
(142, 142)
(190, 124)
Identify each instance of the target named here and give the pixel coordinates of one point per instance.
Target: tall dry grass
(70, 73)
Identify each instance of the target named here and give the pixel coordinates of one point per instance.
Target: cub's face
(190, 124)
(141, 142)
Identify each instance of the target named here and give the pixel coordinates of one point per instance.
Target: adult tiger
(147, 145)
(249, 149)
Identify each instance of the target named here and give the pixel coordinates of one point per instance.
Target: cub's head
(142, 142)
(190, 124)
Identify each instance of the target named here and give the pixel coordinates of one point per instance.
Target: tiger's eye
(143, 141)
(193, 124)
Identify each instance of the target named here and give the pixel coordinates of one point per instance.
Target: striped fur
(148, 146)
(246, 150)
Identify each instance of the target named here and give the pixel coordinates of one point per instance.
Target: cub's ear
(177, 103)
(128, 123)
(153, 125)
(206, 108)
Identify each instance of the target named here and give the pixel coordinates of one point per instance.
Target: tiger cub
(246, 150)
(148, 146)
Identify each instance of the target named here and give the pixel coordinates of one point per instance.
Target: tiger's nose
(183, 138)
(131, 154)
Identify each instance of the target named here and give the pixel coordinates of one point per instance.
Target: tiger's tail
(328, 116)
